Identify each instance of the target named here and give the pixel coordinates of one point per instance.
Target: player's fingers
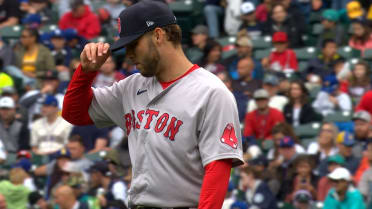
(106, 47)
(100, 49)
(93, 52)
(87, 52)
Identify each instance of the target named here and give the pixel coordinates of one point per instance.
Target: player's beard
(150, 62)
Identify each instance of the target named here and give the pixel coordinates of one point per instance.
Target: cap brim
(124, 41)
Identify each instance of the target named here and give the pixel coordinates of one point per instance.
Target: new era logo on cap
(149, 23)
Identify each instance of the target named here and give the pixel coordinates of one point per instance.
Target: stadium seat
(262, 43)
(304, 54)
(227, 54)
(11, 34)
(307, 131)
(48, 28)
(226, 41)
(302, 65)
(368, 55)
(340, 116)
(347, 52)
(259, 54)
(306, 142)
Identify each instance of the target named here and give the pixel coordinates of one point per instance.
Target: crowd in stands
(300, 71)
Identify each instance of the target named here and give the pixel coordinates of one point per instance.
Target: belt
(146, 207)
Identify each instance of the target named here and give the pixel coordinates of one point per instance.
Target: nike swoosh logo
(140, 92)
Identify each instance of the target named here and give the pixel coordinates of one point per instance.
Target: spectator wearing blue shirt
(94, 139)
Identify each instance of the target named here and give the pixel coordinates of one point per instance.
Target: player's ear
(158, 36)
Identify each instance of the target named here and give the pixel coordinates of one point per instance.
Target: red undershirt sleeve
(78, 98)
(215, 183)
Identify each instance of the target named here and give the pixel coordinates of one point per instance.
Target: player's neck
(173, 65)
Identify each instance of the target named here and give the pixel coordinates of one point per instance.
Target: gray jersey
(173, 133)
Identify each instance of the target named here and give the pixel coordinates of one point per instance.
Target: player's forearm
(215, 183)
(78, 98)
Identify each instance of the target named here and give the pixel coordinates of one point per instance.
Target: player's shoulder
(208, 80)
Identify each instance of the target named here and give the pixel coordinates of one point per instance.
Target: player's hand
(94, 55)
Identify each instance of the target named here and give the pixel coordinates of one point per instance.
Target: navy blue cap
(58, 33)
(140, 18)
(260, 160)
(50, 100)
(62, 153)
(286, 142)
(23, 163)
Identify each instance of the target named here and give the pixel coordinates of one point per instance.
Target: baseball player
(181, 121)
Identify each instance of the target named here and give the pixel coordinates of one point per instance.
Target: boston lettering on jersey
(165, 124)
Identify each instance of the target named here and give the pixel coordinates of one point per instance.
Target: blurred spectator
(365, 102)
(246, 84)
(21, 112)
(211, 60)
(257, 192)
(31, 57)
(49, 133)
(35, 200)
(94, 139)
(365, 182)
(343, 194)
(263, 9)
(199, 37)
(10, 13)
(13, 190)
(114, 7)
(3, 204)
(299, 110)
(270, 84)
(248, 15)
(345, 142)
(362, 125)
(279, 131)
(331, 98)
(60, 51)
(65, 6)
(354, 10)
(25, 164)
(324, 184)
(281, 59)
(6, 54)
(65, 198)
(331, 28)
(304, 178)
(362, 36)
(323, 64)
(127, 67)
(41, 8)
(115, 190)
(244, 48)
(13, 133)
(32, 21)
(302, 199)
(283, 22)
(360, 81)
(325, 145)
(212, 12)
(258, 123)
(108, 74)
(317, 7)
(82, 19)
(232, 17)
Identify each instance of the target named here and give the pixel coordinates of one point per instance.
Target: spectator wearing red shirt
(365, 102)
(82, 19)
(281, 59)
(258, 123)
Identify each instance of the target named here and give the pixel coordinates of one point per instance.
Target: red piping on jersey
(215, 183)
(166, 84)
(79, 96)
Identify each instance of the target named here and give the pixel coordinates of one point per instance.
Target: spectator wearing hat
(324, 184)
(257, 193)
(282, 20)
(211, 60)
(250, 24)
(244, 47)
(362, 36)
(3, 204)
(108, 74)
(60, 51)
(10, 13)
(281, 59)
(36, 200)
(13, 133)
(331, 28)
(271, 85)
(21, 112)
(345, 142)
(258, 123)
(232, 19)
(325, 145)
(354, 10)
(331, 99)
(199, 37)
(82, 19)
(298, 110)
(114, 189)
(25, 164)
(362, 129)
(303, 199)
(49, 133)
(343, 194)
(65, 198)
